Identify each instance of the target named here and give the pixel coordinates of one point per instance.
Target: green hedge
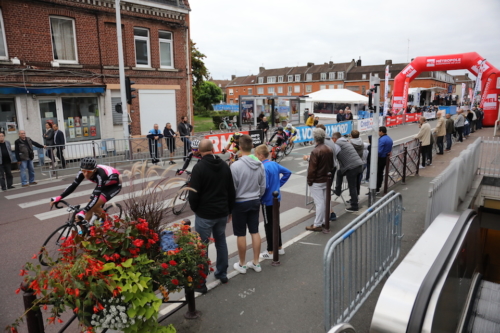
(218, 115)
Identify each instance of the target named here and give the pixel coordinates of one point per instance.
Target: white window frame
(290, 78)
(331, 86)
(280, 78)
(250, 91)
(280, 90)
(168, 41)
(270, 90)
(363, 76)
(290, 89)
(231, 93)
(75, 42)
(340, 86)
(2, 26)
(323, 76)
(271, 79)
(322, 86)
(297, 77)
(308, 88)
(340, 75)
(148, 43)
(376, 74)
(331, 76)
(261, 80)
(260, 91)
(296, 89)
(309, 77)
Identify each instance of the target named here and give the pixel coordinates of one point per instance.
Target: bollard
(386, 177)
(34, 319)
(326, 228)
(405, 153)
(276, 229)
(191, 302)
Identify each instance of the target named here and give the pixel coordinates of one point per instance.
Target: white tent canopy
(337, 96)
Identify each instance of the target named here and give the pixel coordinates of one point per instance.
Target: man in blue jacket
(154, 136)
(384, 148)
(273, 183)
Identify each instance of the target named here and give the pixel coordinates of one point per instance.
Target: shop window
(166, 55)
(141, 38)
(63, 40)
(8, 120)
(81, 118)
(3, 43)
(260, 91)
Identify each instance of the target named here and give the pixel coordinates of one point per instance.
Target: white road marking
(44, 190)
(306, 243)
(301, 171)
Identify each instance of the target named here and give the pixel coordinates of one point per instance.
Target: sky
(239, 36)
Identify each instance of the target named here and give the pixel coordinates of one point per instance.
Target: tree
(207, 94)
(198, 69)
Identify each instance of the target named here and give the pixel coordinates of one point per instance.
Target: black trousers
(440, 144)
(267, 212)
(153, 150)
(426, 154)
(352, 176)
(381, 163)
(60, 155)
(5, 172)
(460, 131)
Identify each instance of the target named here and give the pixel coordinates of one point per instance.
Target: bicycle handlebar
(64, 203)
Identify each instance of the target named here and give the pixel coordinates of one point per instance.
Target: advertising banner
(477, 86)
(304, 133)
(226, 107)
(411, 117)
(463, 94)
(386, 92)
(394, 120)
(257, 137)
(430, 115)
(367, 124)
(220, 141)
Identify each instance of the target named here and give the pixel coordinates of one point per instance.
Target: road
(26, 221)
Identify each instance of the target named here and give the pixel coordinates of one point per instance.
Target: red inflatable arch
(490, 82)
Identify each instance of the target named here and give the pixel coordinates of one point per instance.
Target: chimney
(388, 62)
(358, 63)
(331, 64)
(261, 69)
(310, 64)
(233, 77)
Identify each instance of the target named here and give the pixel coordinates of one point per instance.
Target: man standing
(59, 141)
(450, 128)
(154, 137)
(5, 163)
(424, 135)
(340, 116)
(264, 126)
(249, 180)
(351, 166)
(440, 132)
(273, 183)
(185, 130)
(335, 150)
(385, 144)
(320, 164)
(459, 125)
(24, 156)
(212, 203)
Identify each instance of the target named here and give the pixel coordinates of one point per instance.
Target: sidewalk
(289, 298)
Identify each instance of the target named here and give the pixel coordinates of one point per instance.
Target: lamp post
(121, 70)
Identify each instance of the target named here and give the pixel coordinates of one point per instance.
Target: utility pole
(121, 71)
(375, 82)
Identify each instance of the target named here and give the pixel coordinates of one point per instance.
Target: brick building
(59, 61)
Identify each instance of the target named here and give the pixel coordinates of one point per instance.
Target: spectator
(385, 144)
(154, 137)
(335, 149)
(348, 114)
(320, 164)
(459, 125)
(340, 116)
(440, 131)
(351, 166)
(468, 123)
(362, 150)
(368, 158)
(264, 126)
(316, 121)
(5, 163)
(425, 137)
(185, 130)
(479, 121)
(474, 121)
(310, 120)
(48, 140)
(261, 116)
(170, 135)
(450, 129)
(273, 183)
(24, 155)
(212, 203)
(60, 142)
(249, 180)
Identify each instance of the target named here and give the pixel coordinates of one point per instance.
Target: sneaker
(241, 269)
(265, 255)
(33, 183)
(351, 209)
(25, 185)
(421, 167)
(10, 187)
(333, 216)
(256, 268)
(224, 280)
(281, 252)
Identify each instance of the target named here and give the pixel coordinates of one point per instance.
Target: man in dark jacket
(59, 141)
(5, 163)
(154, 137)
(185, 130)
(264, 126)
(212, 203)
(450, 129)
(340, 116)
(385, 144)
(24, 156)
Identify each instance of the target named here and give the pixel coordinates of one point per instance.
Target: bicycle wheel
(49, 253)
(180, 201)
(222, 127)
(289, 148)
(279, 156)
(114, 209)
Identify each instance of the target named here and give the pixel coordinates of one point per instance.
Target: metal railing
(449, 188)
(489, 164)
(403, 161)
(357, 258)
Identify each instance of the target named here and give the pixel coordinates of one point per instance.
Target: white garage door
(157, 107)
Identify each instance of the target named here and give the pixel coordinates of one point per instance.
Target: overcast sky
(240, 36)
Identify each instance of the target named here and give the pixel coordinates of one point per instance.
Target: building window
(340, 75)
(353, 88)
(166, 56)
(260, 91)
(261, 80)
(3, 42)
(363, 76)
(376, 74)
(63, 40)
(296, 89)
(280, 78)
(236, 90)
(340, 86)
(290, 78)
(81, 118)
(308, 88)
(250, 91)
(270, 90)
(309, 77)
(231, 101)
(322, 86)
(331, 76)
(331, 86)
(280, 90)
(271, 79)
(297, 77)
(323, 76)
(230, 91)
(141, 38)
(8, 119)
(289, 90)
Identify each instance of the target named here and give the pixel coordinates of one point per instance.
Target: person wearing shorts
(249, 180)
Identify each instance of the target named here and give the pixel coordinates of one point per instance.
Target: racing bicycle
(181, 197)
(277, 153)
(289, 147)
(49, 252)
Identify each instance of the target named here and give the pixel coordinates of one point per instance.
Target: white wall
(157, 107)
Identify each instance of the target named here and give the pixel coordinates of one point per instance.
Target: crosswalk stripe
(43, 190)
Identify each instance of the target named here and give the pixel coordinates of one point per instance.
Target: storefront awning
(50, 91)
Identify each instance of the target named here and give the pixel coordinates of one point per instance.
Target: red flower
(138, 242)
(59, 320)
(172, 263)
(164, 266)
(18, 290)
(175, 281)
(75, 310)
(23, 272)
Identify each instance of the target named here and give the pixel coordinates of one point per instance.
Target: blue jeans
(31, 171)
(187, 146)
(448, 141)
(217, 227)
(467, 129)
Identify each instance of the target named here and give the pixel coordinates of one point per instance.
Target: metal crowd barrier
(489, 164)
(404, 161)
(449, 188)
(357, 258)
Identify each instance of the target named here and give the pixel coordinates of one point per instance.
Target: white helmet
(289, 126)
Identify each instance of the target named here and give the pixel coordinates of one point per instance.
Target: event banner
(304, 133)
(411, 117)
(430, 115)
(367, 124)
(220, 141)
(386, 92)
(394, 120)
(463, 94)
(226, 107)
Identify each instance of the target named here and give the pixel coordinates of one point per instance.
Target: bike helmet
(195, 144)
(280, 128)
(88, 163)
(236, 135)
(289, 126)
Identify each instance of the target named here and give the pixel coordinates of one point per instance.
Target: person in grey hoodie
(362, 150)
(249, 178)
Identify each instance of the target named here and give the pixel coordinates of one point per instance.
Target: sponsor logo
(498, 82)
(431, 62)
(409, 71)
(442, 62)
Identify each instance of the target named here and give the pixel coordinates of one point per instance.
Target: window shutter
(117, 117)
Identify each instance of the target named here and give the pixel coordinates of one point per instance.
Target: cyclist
(235, 143)
(109, 184)
(281, 138)
(194, 152)
(291, 132)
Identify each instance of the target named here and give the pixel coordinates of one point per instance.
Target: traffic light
(129, 90)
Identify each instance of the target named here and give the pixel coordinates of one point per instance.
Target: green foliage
(207, 94)
(198, 68)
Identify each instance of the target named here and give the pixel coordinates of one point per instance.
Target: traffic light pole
(374, 146)
(121, 71)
